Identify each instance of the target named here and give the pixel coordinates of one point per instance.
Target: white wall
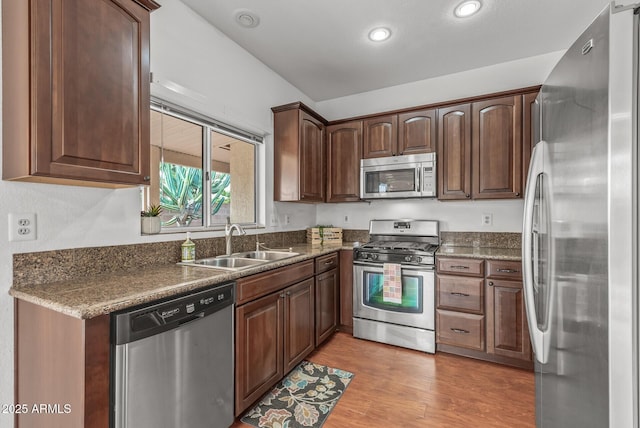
(237, 88)
(454, 216)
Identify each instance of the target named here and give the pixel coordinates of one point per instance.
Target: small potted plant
(150, 220)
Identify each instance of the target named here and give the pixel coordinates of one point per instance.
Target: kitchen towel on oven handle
(392, 283)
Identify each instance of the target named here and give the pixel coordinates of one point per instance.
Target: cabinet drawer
(254, 286)
(459, 329)
(469, 267)
(326, 262)
(460, 293)
(504, 269)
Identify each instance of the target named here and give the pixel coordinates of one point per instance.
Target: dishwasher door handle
(192, 318)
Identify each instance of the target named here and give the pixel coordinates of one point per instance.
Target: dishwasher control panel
(140, 322)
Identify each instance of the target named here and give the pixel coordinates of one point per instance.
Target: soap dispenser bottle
(188, 249)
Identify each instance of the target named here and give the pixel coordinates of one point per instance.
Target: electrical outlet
(22, 227)
(287, 219)
(487, 219)
(274, 220)
(346, 219)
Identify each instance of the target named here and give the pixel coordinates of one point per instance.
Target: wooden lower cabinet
(282, 315)
(482, 316)
(61, 360)
(326, 305)
(507, 330)
(299, 331)
(346, 291)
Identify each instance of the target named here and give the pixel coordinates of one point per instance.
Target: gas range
(407, 242)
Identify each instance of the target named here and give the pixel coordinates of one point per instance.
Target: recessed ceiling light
(247, 19)
(379, 34)
(467, 8)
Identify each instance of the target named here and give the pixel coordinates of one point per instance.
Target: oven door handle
(406, 267)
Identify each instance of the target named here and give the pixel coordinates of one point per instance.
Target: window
(202, 171)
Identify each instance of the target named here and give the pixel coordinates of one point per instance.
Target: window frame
(209, 125)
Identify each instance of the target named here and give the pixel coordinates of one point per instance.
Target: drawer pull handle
(507, 270)
(459, 294)
(330, 262)
(459, 330)
(459, 267)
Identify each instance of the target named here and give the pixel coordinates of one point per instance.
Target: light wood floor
(396, 387)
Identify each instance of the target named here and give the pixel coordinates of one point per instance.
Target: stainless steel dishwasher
(172, 362)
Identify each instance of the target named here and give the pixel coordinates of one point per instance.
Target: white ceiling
(321, 46)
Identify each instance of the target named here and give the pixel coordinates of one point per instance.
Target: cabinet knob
(146, 178)
(490, 283)
(517, 193)
(468, 195)
(288, 293)
(282, 296)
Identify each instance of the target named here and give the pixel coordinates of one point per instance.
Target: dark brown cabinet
(61, 359)
(346, 291)
(344, 151)
(326, 304)
(299, 323)
(274, 328)
(408, 133)
(299, 154)
(454, 152)
(507, 328)
(529, 134)
(482, 316)
(380, 136)
(497, 148)
(417, 132)
(480, 149)
(76, 91)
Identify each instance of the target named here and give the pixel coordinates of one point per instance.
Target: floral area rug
(302, 399)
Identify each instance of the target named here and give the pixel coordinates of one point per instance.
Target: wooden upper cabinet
(299, 154)
(417, 132)
(497, 148)
(454, 152)
(529, 135)
(380, 136)
(408, 133)
(76, 91)
(344, 151)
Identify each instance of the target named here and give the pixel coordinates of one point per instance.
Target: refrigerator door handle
(537, 335)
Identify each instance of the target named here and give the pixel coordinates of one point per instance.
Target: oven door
(418, 296)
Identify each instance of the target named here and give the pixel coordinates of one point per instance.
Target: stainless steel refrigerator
(580, 230)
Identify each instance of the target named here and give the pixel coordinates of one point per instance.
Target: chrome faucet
(228, 233)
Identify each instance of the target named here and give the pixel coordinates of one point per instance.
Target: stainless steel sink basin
(239, 261)
(263, 255)
(228, 263)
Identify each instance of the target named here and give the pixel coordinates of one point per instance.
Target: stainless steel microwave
(411, 176)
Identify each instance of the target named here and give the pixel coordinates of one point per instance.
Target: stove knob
(374, 256)
(419, 259)
(407, 258)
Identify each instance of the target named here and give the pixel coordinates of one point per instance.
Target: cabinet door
(507, 332)
(299, 331)
(326, 305)
(380, 136)
(454, 152)
(528, 133)
(497, 148)
(417, 132)
(311, 159)
(259, 339)
(90, 90)
(344, 151)
(346, 290)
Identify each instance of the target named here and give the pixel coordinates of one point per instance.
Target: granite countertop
(102, 294)
(513, 254)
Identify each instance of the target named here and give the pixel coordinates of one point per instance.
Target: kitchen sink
(228, 263)
(262, 255)
(239, 261)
